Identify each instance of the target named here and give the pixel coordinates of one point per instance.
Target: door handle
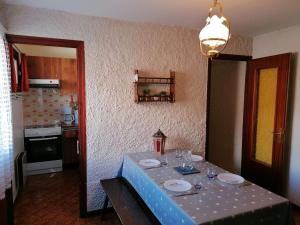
(77, 149)
(279, 132)
(280, 135)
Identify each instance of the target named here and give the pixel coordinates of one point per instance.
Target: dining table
(216, 202)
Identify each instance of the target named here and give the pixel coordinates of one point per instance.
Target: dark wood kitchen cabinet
(64, 69)
(69, 148)
(43, 67)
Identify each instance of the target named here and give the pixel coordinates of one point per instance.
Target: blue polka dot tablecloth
(216, 202)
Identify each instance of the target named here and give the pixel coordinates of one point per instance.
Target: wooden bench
(128, 205)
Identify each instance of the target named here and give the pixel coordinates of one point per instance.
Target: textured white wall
(283, 41)
(115, 124)
(2, 30)
(226, 114)
(2, 27)
(18, 134)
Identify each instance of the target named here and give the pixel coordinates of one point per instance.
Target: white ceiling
(247, 17)
(47, 51)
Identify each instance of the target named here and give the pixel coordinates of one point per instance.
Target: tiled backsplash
(44, 105)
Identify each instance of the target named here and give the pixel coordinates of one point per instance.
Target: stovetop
(41, 126)
(42, 130)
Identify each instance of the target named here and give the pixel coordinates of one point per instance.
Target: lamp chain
(215, 3)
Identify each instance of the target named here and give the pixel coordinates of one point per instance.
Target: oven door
(40, 149)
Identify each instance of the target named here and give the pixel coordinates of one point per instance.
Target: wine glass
(211, 173)
(178, 153)
(164, 160)
(197, 182)
(187, 162)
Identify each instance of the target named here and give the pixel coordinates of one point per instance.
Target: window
(5, 121)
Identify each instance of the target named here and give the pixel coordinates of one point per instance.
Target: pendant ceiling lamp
(216, 33)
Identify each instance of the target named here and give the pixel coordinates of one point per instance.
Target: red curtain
(14, 85)
(25, 81)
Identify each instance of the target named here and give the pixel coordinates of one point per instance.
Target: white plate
(197, 158)
(230, 178)
(149, 162)
(177, 185)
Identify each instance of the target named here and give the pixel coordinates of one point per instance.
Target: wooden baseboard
(7, 209)
(3, 212)
(10, 206)
(71, 166)
(295, 207)
(96, 212)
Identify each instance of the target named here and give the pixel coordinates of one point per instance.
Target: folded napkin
(183, 171)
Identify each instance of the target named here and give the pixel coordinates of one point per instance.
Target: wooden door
(265, 109)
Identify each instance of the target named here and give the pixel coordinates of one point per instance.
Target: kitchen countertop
(69, 127)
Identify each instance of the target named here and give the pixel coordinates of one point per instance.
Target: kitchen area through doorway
(45, 121)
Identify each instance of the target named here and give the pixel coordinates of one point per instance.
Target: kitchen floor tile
(53, 199)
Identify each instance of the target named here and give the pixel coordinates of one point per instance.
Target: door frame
(79, 45)
(228, 57)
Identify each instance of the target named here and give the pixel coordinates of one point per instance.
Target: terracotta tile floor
(297, 216)
(53, 199)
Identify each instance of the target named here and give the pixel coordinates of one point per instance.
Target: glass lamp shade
(215, 34)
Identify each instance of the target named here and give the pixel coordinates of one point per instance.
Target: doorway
(79, 50)
(226, 81)
(261, 156)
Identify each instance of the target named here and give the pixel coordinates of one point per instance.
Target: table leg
(104, 207)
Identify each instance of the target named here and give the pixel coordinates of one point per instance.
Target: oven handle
(42, 139)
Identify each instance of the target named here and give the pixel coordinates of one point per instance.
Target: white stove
(42, 131)
(43, 149)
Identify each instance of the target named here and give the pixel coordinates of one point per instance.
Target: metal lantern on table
(159, 140)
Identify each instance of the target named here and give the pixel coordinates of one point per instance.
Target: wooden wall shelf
(161, 89)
